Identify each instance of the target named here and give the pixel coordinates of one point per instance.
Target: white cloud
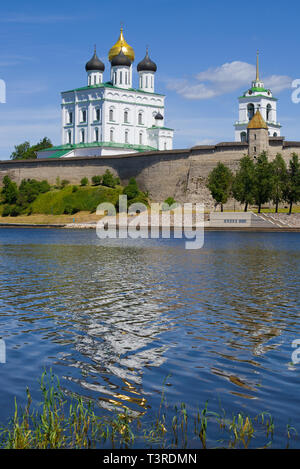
(225, 79)
(278, 83)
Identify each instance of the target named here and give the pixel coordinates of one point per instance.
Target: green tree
(29, 189)
(25, 151)
(292, 188)
(10, 191)
(131, 190)
(96, 180)
(84, 181)
(263, 181)
(109, 180)
(243, 186)
(219, 183)
(279, 180)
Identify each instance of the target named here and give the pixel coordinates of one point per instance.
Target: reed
(71, 422)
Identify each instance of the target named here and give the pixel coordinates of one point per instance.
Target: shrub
(96, 180)
(109, 180)
(6, 211)
(10, 191)
(131, 190)
(84, 181)
(170, 201)
(44, 187)
(68, 210)
(15, 210)
(64, 183)
(29, 190)
(74, 188)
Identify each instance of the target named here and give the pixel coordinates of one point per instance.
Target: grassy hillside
(68, 201)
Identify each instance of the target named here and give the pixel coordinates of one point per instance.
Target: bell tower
(257, 98)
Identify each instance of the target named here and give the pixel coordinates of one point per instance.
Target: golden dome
(121, 44)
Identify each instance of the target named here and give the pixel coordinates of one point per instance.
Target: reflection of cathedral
(254, 99)
(113, 117)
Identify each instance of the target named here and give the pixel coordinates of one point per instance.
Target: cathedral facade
(112, 117)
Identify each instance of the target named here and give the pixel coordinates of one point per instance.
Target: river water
(116, 319)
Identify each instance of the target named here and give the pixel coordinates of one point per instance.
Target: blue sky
(205, 53)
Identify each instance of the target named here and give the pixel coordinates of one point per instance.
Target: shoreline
(214, 221)
(92, 226)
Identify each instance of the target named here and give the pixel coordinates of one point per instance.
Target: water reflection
(114, 320)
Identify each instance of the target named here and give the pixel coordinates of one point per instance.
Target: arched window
(83, 115)
(126, 136)
(146, 81)
(96, 135)
(90, 80)
(275, 134)
(140, 118)
(69, 137)
(111, 114)
(165, 145)
(141, 138)
(141, 82)
(250, 109)
(243, 137)
(151, 81)
(97, 114)
(126, 116)
(111, 135)
(269, 112)
(82, 136)
(115, 78)
(70, 117)
(95, 79)
(121, 78)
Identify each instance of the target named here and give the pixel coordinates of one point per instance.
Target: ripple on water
(114, 321)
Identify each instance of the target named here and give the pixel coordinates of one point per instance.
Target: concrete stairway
(275, 221)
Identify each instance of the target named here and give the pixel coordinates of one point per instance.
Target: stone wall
(181, 174)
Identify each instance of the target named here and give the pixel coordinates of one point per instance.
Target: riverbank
(86, 220)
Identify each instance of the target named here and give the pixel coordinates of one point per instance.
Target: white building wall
(261, 103)
(119, 100)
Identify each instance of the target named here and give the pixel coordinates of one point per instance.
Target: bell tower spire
(257, 66)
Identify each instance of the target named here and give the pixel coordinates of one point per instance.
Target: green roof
(108, 84)
(58, 154)
(163, 128)
(256, 89)
(258, 96)
(63, 149)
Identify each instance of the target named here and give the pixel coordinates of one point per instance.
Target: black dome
(95, 64)
(158, 116)
(121, 59)
(146, 65)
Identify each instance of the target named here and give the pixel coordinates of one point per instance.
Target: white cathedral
(112, 117)
(254, 99)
